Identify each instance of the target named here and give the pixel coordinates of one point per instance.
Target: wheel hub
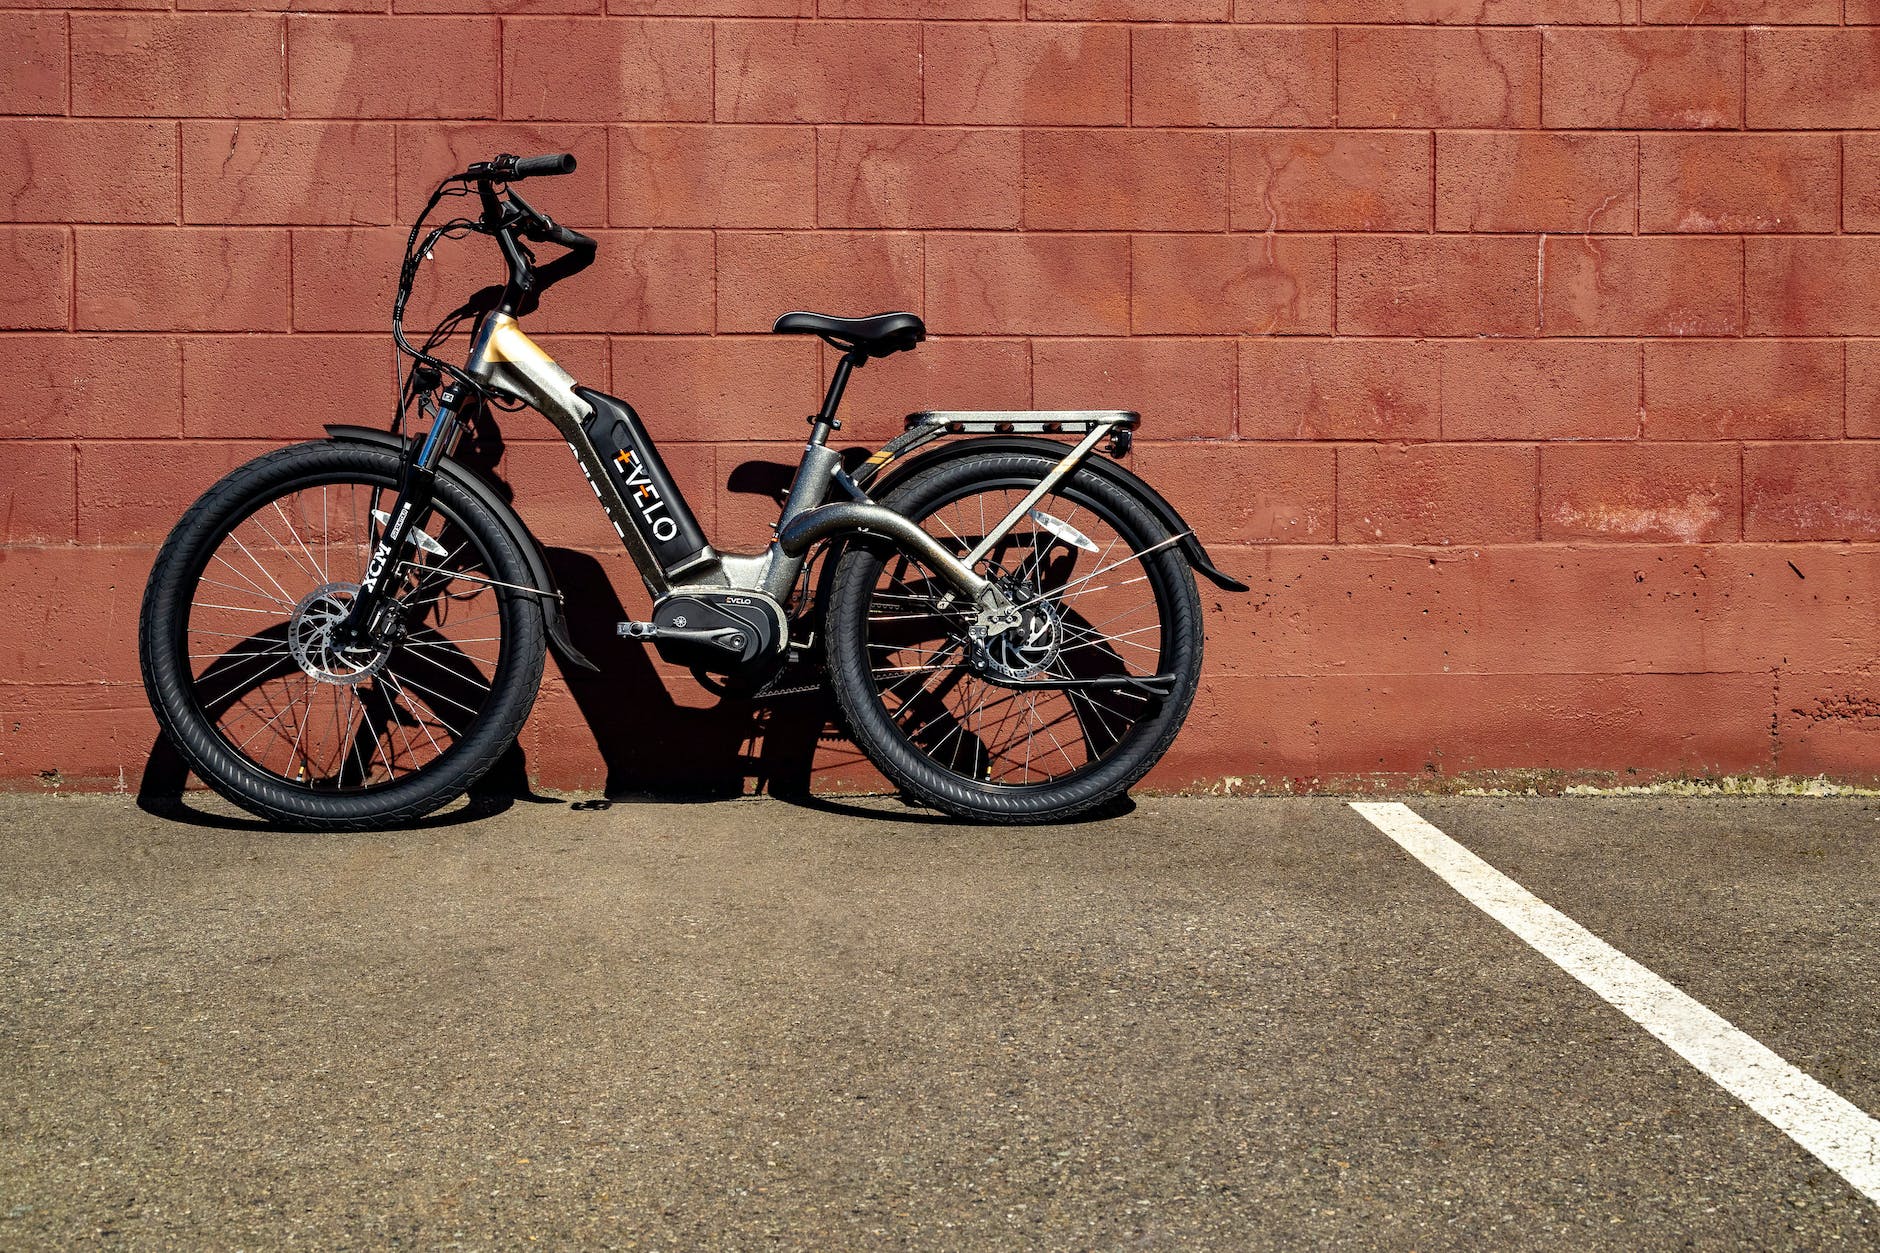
(312, 637)
(1024, 649)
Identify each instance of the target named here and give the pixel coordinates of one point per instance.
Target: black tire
(189, 715)
(939, 779)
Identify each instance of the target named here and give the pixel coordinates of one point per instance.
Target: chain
(773, 693)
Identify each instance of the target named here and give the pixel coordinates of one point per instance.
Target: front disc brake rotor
(310, 637)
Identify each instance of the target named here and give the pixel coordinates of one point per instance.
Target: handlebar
(508, 218)
(509, 169)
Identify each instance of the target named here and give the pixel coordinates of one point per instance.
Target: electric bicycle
(348, 633)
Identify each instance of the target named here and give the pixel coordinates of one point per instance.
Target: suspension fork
(416, 484)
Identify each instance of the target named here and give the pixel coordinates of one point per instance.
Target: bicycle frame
(505, 361)
(505, 358)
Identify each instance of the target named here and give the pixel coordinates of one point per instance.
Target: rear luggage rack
(928, 425)
(1024, 421)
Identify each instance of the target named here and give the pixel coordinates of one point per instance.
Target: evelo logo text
(645, 497)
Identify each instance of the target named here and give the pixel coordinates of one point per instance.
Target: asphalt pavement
(1235, 1024)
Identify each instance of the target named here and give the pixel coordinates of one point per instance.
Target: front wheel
(1045, 720)
(251, 681)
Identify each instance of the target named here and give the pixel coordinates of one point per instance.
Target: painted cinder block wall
(1523, 354)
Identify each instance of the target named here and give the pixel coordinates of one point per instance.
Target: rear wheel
(1045, 720)
(247, 674)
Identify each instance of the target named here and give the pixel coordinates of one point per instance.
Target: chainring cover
(757, 620)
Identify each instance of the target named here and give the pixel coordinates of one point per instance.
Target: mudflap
(539, 574)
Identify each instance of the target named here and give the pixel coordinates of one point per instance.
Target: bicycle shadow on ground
(655, 748)
(652, 746)
(165, 793)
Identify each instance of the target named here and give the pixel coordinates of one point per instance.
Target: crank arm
(728, 638)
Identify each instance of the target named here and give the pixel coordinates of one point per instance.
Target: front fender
(539, 573)
(1120, 475)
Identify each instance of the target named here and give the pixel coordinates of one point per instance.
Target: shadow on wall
(653, 747)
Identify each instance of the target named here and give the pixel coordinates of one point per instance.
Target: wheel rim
(267, 674)
(1090, 610)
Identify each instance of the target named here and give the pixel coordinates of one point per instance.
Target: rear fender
(1147, 496)
(539, 574)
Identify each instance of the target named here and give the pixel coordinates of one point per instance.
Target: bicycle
(349, 632)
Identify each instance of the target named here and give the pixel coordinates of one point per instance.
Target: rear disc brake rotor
(1023, 650)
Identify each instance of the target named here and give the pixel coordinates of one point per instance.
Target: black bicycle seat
(876, 336)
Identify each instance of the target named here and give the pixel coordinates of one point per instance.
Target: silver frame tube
(828, 520)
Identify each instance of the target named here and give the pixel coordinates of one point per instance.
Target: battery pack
(654, 506)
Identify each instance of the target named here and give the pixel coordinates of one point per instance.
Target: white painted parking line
(1825, 1123)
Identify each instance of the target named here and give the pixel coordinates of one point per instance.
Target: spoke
(1087, 638)
(1031, 714)
(1090, 632)
(1054, 739)
(254, 520)
(461, 622)
(432, 698)
(1097, 710)
(1061, 593)
(285, 598)
(243, 575)
(243, 590)
(907, 668)
(352, 739)
(478, 681)
(955, 534)
(430, 707)
(398, 723)
(272, 613)
(243, 746)
(436, 748)
(1105, 587)
(431, 572)
(1094, 698)
(240, 683)
(1013, 708)
(303, 543)
(1136, 608)
(485, 661)
(896, 685)
(302, 729)
(378, 742)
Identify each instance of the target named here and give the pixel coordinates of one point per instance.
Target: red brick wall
(1524, 354)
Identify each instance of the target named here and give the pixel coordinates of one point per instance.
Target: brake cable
(511, 211)
(407, 276)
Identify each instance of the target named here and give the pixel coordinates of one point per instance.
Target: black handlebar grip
(571, 239)
(550, 163)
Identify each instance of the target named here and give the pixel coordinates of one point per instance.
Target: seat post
(825, 421)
